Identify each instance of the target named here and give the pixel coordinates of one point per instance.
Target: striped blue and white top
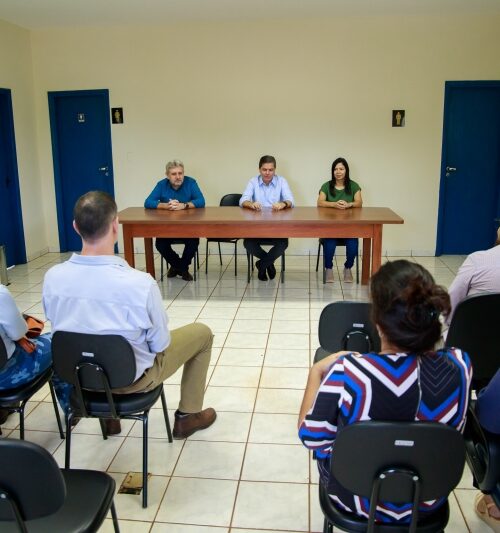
(406, 387)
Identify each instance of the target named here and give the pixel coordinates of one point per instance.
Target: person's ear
(75, 227)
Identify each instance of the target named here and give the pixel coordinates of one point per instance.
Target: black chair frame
(228, 200)
(398, 462)
(340, 242)
(35, 495)
(94, 381)
(15, 399)
(346, 325)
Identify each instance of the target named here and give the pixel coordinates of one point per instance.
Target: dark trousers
(164, 246)
(253, 246)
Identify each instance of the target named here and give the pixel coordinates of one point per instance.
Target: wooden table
(365, 223)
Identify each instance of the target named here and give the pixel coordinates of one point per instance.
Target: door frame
(448, 88)
(53, 98)
(15, 193)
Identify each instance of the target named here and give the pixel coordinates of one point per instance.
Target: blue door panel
(469, 195)
(11, 225)
(81, 140)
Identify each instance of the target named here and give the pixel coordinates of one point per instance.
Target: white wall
(219, 95)
(16, 74)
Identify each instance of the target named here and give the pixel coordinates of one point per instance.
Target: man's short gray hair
(173, 164)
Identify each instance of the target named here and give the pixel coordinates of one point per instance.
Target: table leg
(377, 248)
(150, 262)
(365, 267)
(128, 246)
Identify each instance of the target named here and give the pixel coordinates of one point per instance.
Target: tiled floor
(247, 472)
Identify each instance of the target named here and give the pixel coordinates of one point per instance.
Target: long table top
(238, 222)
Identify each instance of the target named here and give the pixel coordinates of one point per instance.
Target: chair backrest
(348, 326)
(434, 452)
(230, 200)
(29, 478)
(112, 353)
(3, 354)
(474, 329)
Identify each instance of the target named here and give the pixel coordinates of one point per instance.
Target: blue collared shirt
(164, 192)
(278, 190)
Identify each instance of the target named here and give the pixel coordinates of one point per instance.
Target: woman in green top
(340, 193)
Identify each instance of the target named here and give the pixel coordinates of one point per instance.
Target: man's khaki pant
(190, 346)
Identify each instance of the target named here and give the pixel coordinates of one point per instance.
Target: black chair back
(30, 481)
(434, 452)
(87, 353)
(3, 354)
(230, 200)
(346, 326)
(474, 329)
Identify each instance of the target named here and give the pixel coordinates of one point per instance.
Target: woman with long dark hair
(340, 193)
(406, 381)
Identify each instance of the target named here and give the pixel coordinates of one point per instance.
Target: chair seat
(227, 239)
(125, 404)
(428, 523)
(86, 491)
(25, 391)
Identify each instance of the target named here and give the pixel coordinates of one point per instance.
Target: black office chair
(473, 329)
(340, 242)
(15, 400)
(346, 326)
(228, 200)
(94, 365)
(35, 495)
(196, 263)
(251, 266)
(397, 462)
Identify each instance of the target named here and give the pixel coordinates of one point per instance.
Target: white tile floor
(247, 472)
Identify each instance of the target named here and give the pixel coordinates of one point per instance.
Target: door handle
(103, 169)
(450, 169)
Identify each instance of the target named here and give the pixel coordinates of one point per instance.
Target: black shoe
(262, 271)
(4, 414)
(172, 272)
(271, 271)
(186, 276)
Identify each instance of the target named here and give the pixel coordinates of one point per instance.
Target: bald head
(93, 214)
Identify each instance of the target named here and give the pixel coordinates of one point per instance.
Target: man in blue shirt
(174, 193)
(267, 191)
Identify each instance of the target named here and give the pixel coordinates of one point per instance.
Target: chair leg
(165, 414)
(56, 409)
(196, 264)
(317, 258)
(21, 420)
(220, 254)
(104, 431)
(236, 258)
(206, 258)
(67, 453)
(248, 267)
(115, 518)
(357, 269)
(161, 268)
(197, 259)
(283, 268)
(324, 269)
(145, 460)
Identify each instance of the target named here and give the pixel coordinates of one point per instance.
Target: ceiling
(39, 14)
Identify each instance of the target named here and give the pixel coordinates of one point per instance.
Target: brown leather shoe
(113, 427)
(186, 276)
(189, 424)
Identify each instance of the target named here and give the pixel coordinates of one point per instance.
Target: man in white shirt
(479, 273)
(98, 292)
(267, 191)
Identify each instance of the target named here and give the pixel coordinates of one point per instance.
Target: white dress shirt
(12, 324)
(104, 295)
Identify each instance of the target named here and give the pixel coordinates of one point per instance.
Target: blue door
(11, 221)
(81, 150)
(470, 168)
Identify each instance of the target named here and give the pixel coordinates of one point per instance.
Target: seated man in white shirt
(98, 292)
(479, 273)
(267, 190)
